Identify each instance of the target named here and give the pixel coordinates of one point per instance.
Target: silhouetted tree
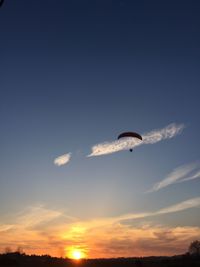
(8, 250)
(194, 248)
(20, 250)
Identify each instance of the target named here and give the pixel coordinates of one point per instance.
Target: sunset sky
(74, 74)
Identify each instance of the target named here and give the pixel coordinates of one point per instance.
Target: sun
(76, 253)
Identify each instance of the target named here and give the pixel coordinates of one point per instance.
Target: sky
(74, 75)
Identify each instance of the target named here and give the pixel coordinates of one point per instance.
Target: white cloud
(62, 160)
(190, 203)
(195, 176)
(184, 205)
(36, 215)
(129, 143)
(177, 176)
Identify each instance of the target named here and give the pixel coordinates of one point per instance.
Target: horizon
(74, 76)
(22, 253)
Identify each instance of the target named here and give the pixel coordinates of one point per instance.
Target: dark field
(17, 259)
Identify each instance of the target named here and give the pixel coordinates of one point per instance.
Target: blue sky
(75, 74)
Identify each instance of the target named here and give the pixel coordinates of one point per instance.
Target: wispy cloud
(195, 176)
(36, 215)
(129, 143)
(184, 205)
(5, 227)
(178, 176)
(187, 204)
(62, 160)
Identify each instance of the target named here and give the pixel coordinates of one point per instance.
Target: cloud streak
(178, 175)
(184, 205)
(152, 137)
(37, 215)
(62, 160)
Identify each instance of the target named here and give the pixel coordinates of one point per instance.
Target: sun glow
(76, 253)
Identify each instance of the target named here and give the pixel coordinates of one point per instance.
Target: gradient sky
(73, 75)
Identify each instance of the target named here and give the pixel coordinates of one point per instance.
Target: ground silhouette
(23, 260)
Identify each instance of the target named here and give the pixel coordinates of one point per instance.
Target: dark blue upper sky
(74, 73)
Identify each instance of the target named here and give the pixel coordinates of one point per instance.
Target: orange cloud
(43, 231)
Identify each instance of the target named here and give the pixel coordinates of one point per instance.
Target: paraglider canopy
(1, 2)
(130, 134)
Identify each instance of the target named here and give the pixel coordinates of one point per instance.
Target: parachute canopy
(130, 134)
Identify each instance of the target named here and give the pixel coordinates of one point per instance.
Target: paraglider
(1, 2)
(130, 134)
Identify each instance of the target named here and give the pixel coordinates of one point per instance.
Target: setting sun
(76, 253)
